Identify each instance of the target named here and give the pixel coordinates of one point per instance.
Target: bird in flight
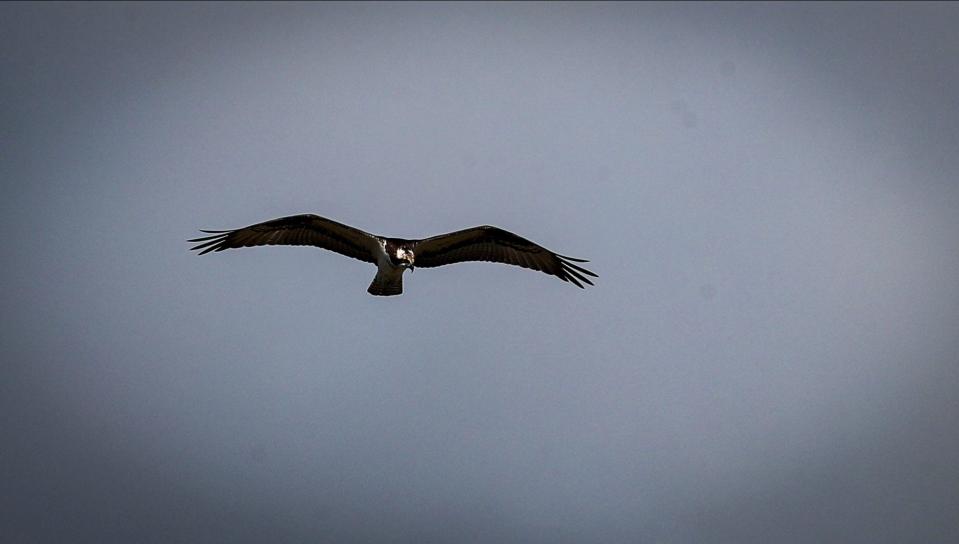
(393, 256)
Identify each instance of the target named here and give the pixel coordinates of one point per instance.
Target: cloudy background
(768, 192)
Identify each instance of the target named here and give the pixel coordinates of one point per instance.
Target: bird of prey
(393, 256)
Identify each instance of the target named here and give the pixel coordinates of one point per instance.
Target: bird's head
(405, 258)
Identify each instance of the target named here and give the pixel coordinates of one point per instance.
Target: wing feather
(493, 244)
(295, 230)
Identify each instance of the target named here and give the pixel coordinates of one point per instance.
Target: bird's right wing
(295, 230)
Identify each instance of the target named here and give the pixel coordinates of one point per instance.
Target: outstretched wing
(295, 230)
(496, 245)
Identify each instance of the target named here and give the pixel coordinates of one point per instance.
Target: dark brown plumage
(496, 245)
(295, 230)
(394, 255)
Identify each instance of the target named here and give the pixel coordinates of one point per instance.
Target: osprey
(393, 256)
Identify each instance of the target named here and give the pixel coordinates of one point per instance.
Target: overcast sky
(768, 192)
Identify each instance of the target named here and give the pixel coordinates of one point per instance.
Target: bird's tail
(387, 284)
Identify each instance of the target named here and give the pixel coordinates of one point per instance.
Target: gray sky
(768, 192)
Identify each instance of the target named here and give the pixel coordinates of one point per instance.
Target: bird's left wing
(496, 245)
(295, 230)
